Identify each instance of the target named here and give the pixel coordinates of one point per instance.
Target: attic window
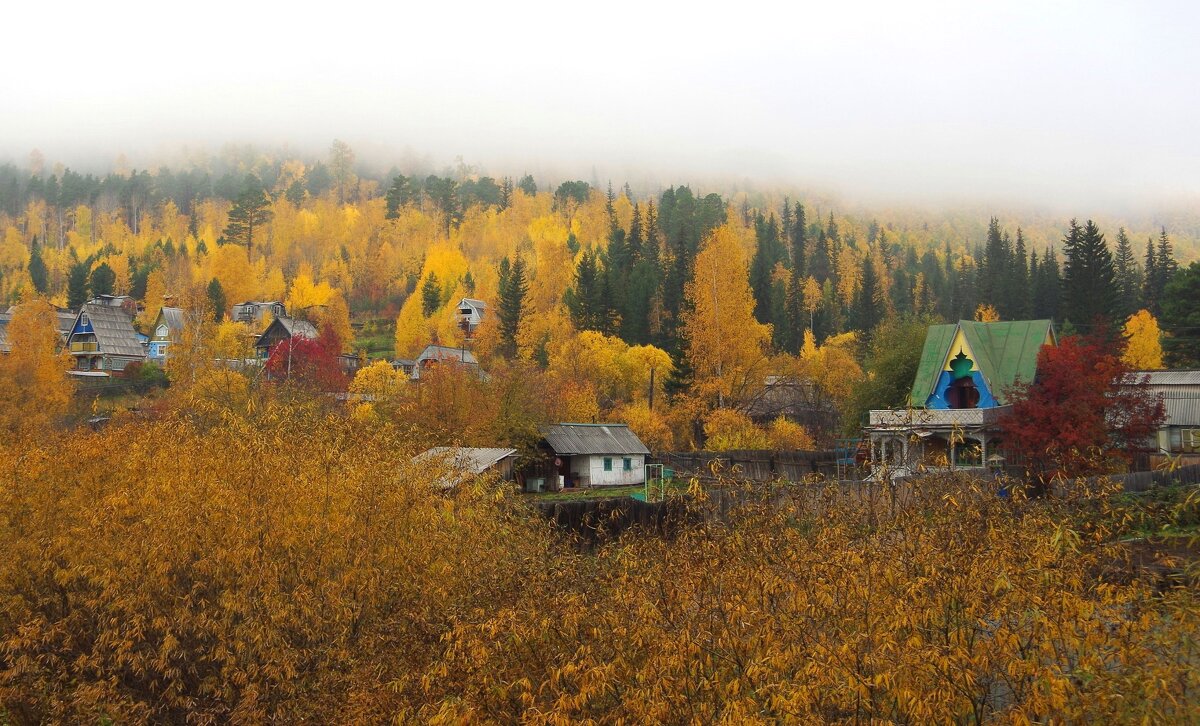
(962, 393)
(83, 319)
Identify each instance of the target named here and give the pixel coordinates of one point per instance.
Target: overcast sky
(1048, 102)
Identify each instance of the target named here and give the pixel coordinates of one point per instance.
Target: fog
(1055, 104)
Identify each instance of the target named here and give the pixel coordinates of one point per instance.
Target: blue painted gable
(937, 399)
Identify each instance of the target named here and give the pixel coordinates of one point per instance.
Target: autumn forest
(242, 536)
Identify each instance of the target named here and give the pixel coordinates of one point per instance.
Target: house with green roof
(958, 396)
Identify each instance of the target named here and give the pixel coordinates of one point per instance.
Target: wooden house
(593, 455)
(958, 396)
(252, 312)
(103, 341)
(167, 329)
(443, 355)
(1179, 435)
(281, 329)
(470, 314)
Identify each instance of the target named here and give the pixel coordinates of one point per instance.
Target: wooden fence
(1140, 481)
(758, 465)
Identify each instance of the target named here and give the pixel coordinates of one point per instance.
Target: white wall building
(596, 455)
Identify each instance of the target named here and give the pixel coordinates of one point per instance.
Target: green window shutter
(607, 464)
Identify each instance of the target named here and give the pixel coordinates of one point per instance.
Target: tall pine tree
(1089, 278)
(1129, 283)
(513, 288)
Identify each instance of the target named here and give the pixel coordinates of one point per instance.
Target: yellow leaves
(727, 429)
(783, 434)
(725, 341)
(305, 295)
(1143, 342)
(35, 389)
(986, 314)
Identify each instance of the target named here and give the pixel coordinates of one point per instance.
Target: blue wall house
(167, 329)
(958, 396)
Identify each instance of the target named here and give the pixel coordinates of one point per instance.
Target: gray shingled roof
(114, 330)
(173, 317)
(464, 461)
(582, 438)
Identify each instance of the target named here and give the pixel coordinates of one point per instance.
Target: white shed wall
(598, 477)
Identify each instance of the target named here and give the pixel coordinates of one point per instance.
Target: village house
(1179, 435)
(252, 312)
(470, 314)
(66, 321)
(440, 354)
(592, 455)
(464, 463)
(167, 329)
(5, 318)
(281, 329)
(103, 340)
(958, 397)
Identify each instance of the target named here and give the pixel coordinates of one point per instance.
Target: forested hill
(254, 226)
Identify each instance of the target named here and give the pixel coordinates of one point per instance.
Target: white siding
(598, 477)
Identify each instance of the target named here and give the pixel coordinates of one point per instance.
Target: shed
(466, 462)
(596, 454)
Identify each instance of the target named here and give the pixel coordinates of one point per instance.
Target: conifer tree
(513, 287)
(1089, 278)
(867, 310)
(399, 194)
(1151, 279)
(102, 280)
(251, 211)
(1129, 284)
(994, 265)
(431, 295)
(216, 299)
(38, 274)
(77, 287)
(1047, 291)
(1018, 297)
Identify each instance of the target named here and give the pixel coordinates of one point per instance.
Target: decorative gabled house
(167, 329)
(593, 455)
(470, 314)
(958, 396)
(281, 329)
(103, 340)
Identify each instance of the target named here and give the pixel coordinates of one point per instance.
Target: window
(607, 464)
(83, 319)
(627, 465)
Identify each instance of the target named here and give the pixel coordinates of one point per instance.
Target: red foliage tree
(309, 363)
(1084, 412)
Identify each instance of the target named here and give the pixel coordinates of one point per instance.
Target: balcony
(85, 347)
(938, 418)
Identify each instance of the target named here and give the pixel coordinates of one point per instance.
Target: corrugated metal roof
(477, 304)
(473, 460)
(1182, 410)
(1179, 377)
(114, 330)
(937, 344)
(463, 461)
(580, 438)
